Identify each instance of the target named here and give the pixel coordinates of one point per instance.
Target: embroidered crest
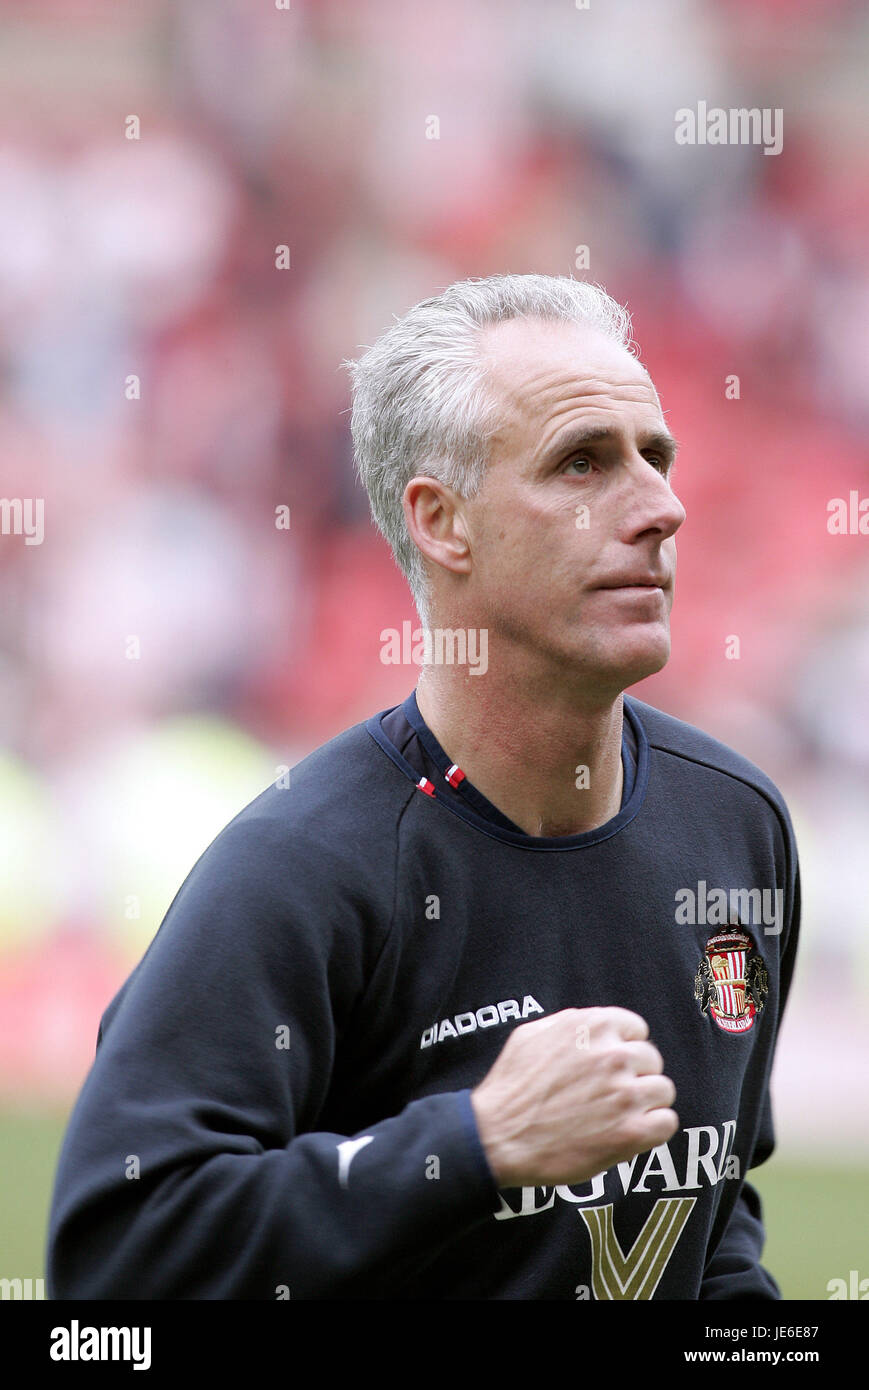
(732, 982)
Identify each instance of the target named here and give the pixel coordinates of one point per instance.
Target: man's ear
(436, 522)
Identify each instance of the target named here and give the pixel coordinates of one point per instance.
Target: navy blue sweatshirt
(279, 1106)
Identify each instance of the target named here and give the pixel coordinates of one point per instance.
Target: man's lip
(636, 584)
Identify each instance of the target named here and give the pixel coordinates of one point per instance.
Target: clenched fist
(571, 1095)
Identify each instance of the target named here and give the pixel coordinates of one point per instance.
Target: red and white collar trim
(453, 775)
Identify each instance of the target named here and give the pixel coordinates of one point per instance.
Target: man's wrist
(492, 1142)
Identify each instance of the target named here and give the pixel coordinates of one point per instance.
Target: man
(415, 1027)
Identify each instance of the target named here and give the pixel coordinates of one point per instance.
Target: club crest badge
(732, 982)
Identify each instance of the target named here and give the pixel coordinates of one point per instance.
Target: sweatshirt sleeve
(734, 1270)
(193, 1166)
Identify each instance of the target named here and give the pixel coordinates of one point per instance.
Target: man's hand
(572, 1094)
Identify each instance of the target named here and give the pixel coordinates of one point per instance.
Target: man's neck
(551, 766)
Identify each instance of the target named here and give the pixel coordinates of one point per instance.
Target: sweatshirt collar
(503, 831)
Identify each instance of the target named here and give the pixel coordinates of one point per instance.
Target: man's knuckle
(611, 1060)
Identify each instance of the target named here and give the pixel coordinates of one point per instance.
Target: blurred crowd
(170, 378)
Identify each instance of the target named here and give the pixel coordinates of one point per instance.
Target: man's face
(572, 531)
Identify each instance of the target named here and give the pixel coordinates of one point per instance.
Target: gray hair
(420, 397)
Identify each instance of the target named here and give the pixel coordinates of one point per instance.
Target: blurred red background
(166, 649)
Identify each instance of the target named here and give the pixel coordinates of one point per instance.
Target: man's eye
(581, 463)
(662, 464)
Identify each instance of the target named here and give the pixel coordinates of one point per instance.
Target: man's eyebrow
(582, 435)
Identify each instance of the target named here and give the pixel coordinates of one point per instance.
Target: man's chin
(609, 659)
(628, 663)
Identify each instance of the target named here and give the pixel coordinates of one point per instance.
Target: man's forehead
(535, 366)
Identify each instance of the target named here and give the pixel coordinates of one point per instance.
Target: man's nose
(654, 505)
